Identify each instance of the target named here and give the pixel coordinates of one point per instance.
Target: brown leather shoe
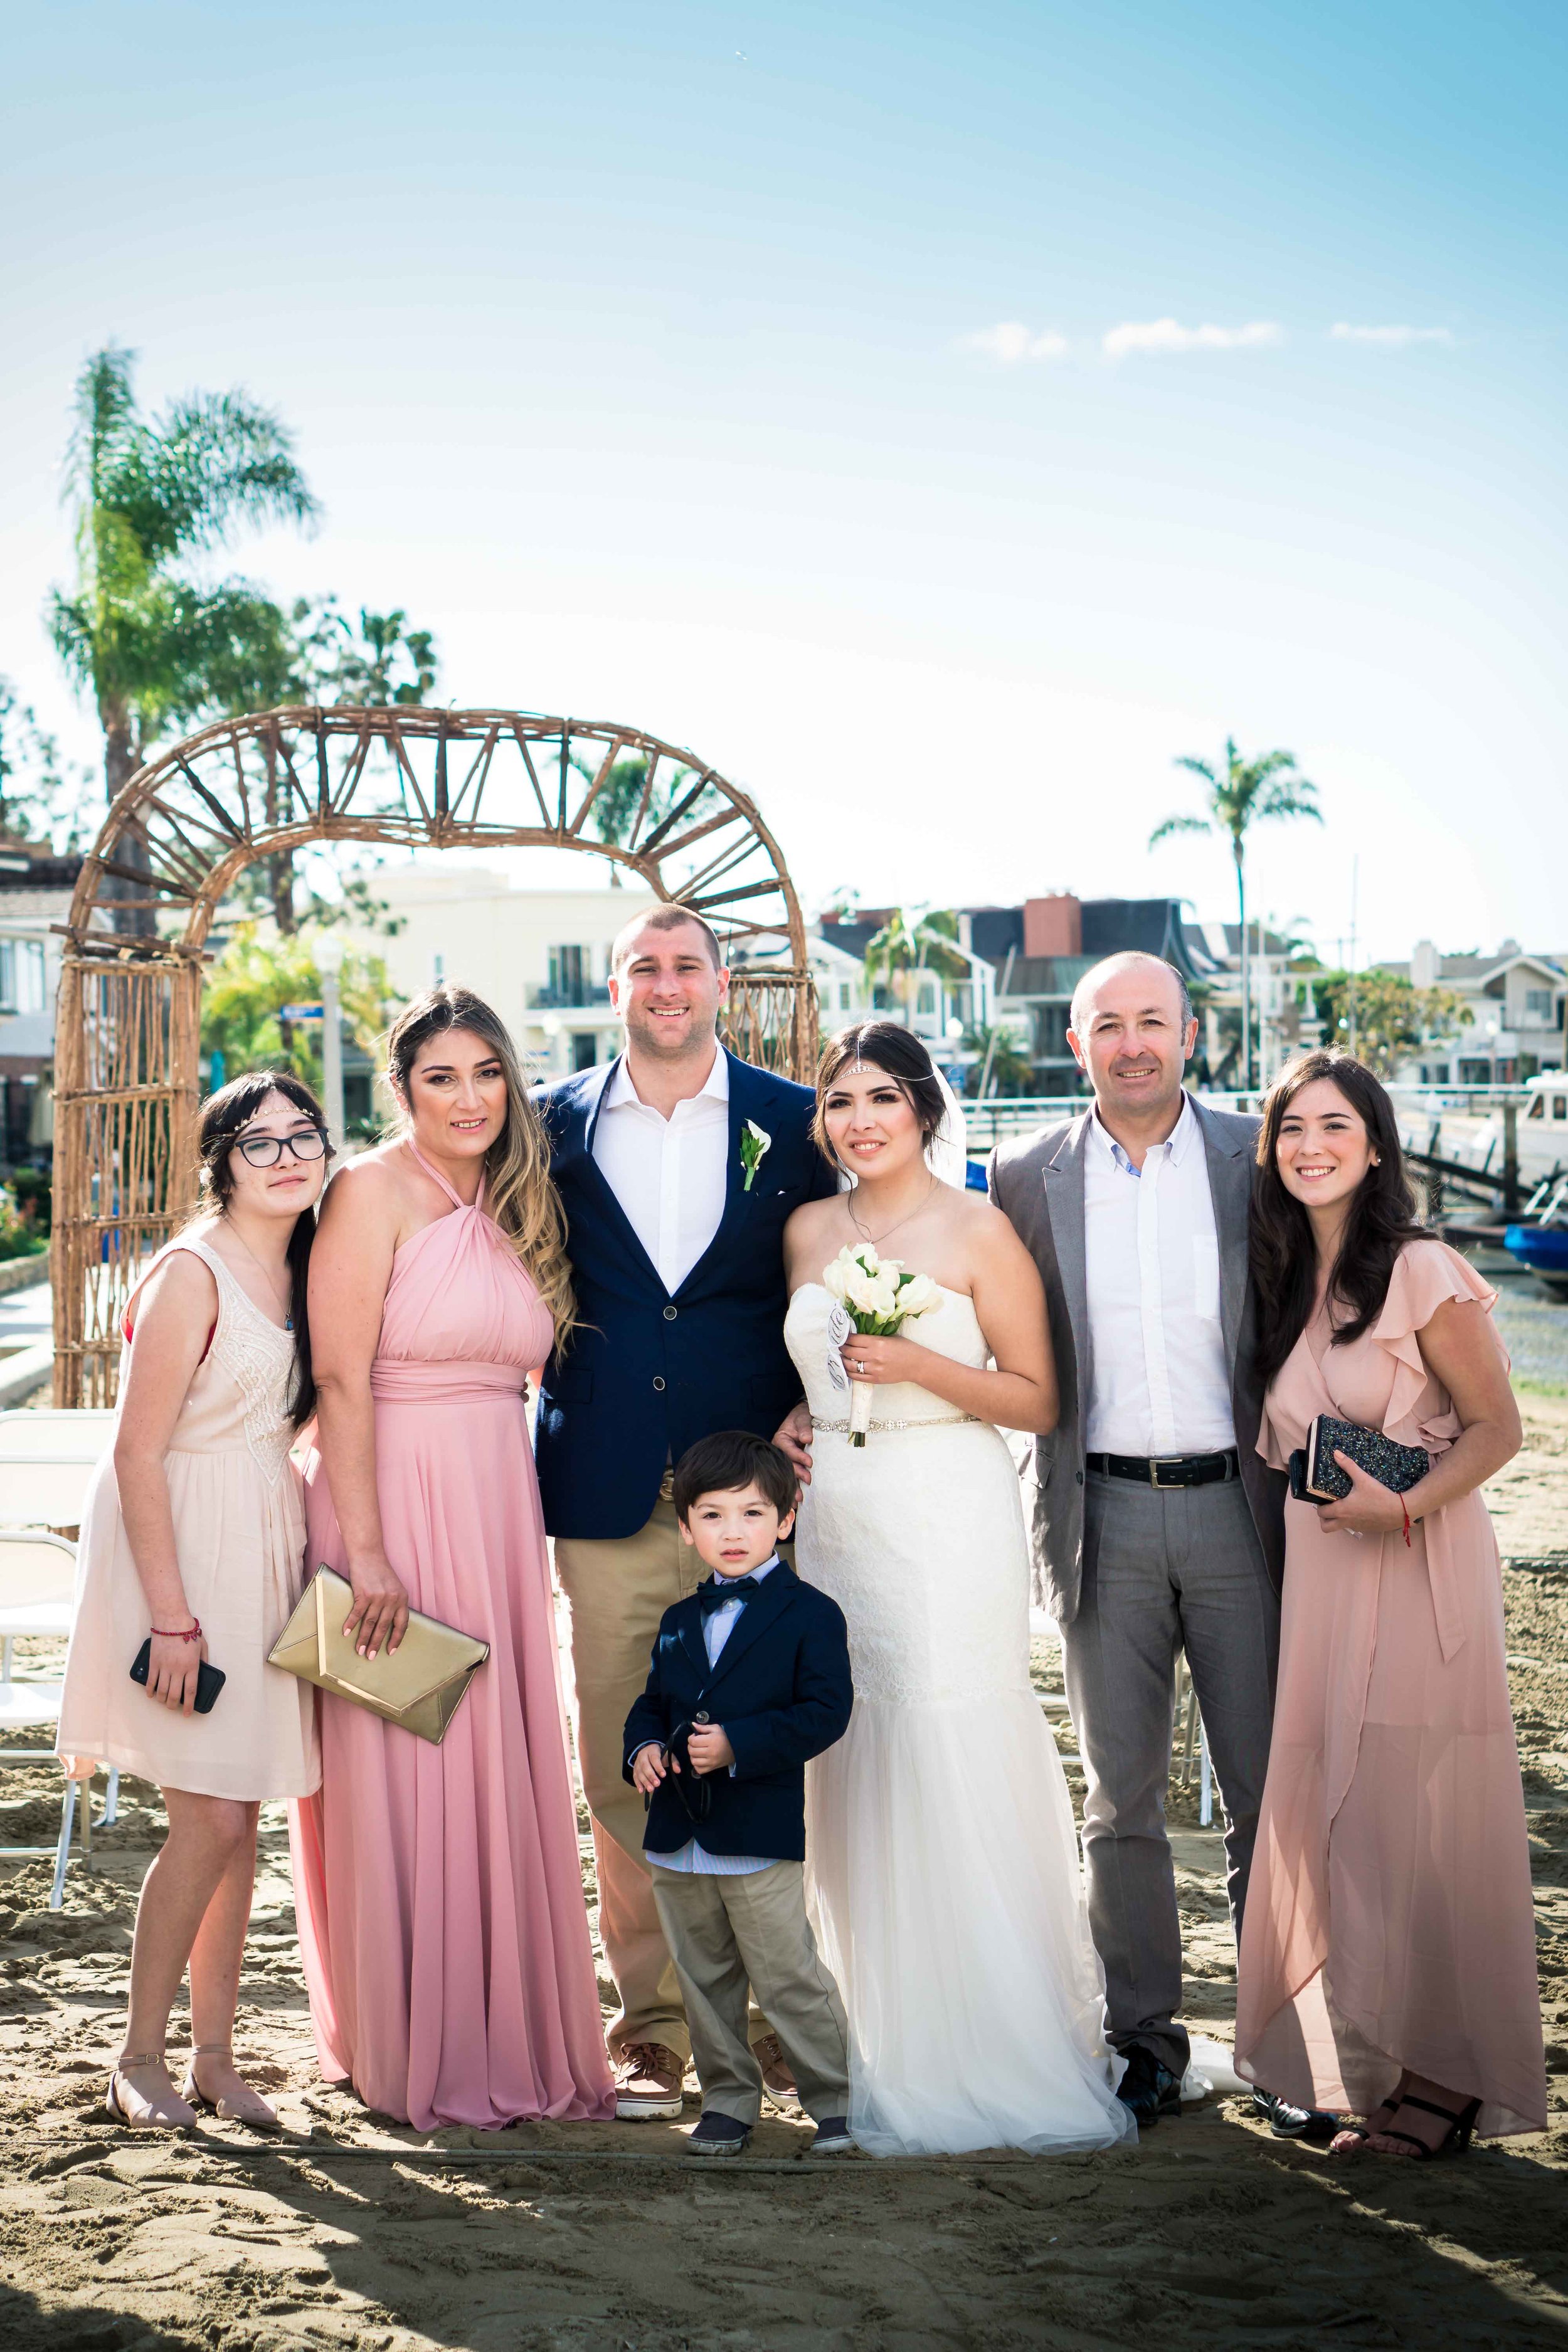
(778, 2079)
(647, 2083)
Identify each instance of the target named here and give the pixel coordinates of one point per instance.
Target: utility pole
(329, 964)
(1355, 887)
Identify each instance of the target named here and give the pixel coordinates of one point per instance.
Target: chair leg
(62, 1852)
(1205, 1788)
(6, 1647)
(110, 1812)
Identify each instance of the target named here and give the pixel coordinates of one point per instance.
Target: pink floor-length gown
(438, 1889)
(1389, 1921)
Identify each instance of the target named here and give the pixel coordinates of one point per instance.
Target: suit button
(657, 1382)
(669, 1314)
(1080, 1477)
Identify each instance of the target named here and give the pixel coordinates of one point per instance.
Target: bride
(941, 1851)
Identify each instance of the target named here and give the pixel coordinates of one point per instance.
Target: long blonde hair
(518, 1194)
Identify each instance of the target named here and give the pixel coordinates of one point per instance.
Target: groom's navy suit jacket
(781, 1690)
(646, 1374)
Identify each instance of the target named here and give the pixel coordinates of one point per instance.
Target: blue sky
(651, 358)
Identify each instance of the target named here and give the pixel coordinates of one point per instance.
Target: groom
(677, 1167)
(1159, 1528)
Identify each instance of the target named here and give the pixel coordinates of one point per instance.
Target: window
(1538, 1004)
(1537, 1109)
(928, 998)
(438, 969)
(569, 982)
(585, 1049)
(844, 996)
(1475, 1073)
(21, 976)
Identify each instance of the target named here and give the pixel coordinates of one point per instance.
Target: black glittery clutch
(1317, 1477)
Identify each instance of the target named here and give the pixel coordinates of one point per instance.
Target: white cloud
(1012, 342)
(1393, 338)
(1170, 335)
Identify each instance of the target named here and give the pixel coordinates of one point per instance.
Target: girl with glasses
(192, 1541)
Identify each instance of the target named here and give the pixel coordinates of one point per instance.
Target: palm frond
(1174, 824)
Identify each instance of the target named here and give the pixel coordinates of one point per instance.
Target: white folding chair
(1191, 1725)
(47, 1462)
(37, 1581)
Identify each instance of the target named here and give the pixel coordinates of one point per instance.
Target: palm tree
(619, 797)
(910, 943)
(1000, 1059)
(382, 664)
(153, 645)
(1241, 794)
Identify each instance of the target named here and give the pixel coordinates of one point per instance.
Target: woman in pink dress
(1388, 1951)
(438, 1889)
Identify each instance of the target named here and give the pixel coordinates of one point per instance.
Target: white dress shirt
(1158, 1383)
(718, 1624)
(668, 1174)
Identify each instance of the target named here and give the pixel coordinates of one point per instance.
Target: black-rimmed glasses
(266, 1150)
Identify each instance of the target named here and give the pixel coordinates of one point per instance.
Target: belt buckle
(1158, 1463)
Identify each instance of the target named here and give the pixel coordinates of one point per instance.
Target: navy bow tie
(714, 1594)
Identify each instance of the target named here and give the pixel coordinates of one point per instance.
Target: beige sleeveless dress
(239, 1533)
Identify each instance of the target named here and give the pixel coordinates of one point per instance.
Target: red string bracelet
(195, 1632)
(1405, 1508)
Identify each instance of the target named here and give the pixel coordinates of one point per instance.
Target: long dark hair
(887, 1045)
(226, 1116)
(1381, 1218)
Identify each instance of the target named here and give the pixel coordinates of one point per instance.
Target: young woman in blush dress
(1388, 1951)
(439, 1893)
(193, 1540)
(941, 1853)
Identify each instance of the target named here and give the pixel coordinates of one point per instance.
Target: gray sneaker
(715, 2135)
(833, 2137)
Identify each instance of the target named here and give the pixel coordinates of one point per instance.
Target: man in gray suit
(1158, 1527)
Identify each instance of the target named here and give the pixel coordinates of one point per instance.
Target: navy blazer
(645, 1375)
(783, 1692)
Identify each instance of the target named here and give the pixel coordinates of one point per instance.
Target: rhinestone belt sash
(940, 1421)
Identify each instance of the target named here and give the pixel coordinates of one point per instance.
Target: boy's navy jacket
(646, 1374)
(781, 1690)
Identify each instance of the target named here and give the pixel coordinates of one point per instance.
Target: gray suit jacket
(1038, 1183)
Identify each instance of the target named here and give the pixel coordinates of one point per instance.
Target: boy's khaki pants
(726, 1932)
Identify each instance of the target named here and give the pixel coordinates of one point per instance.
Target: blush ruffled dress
(1389, 1920)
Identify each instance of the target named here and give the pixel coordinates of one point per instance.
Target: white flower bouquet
(875, 1297)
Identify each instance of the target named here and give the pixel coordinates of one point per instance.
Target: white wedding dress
(942, 1861)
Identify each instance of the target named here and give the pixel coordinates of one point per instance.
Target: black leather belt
(1167, 1470)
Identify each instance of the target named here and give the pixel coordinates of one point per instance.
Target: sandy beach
(604, 2239)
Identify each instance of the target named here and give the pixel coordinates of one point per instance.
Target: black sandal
(1456, 2139)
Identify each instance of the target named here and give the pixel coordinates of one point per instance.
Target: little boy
(750, 1678)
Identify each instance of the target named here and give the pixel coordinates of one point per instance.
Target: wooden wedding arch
(177, 837)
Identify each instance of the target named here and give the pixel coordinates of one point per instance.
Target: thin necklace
(286, 1304)
(877, 1240)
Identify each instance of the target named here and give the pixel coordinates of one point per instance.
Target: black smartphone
(210, 1680)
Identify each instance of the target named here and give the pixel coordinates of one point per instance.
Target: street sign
(299, 1012)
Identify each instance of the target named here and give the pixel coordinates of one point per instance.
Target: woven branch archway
(183, 829)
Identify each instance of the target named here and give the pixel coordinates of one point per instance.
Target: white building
(1516, 1002)
(35, 895)
(541, 958)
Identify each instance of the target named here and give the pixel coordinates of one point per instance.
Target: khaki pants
(752, 1927)
(617, 1591)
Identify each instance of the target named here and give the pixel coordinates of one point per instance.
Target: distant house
(1516, 1005)
(34, 894)
(1040, 950)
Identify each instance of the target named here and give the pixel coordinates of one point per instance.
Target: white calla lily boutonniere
(754, 1141)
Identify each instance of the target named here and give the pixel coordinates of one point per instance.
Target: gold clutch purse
(420, 1685)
